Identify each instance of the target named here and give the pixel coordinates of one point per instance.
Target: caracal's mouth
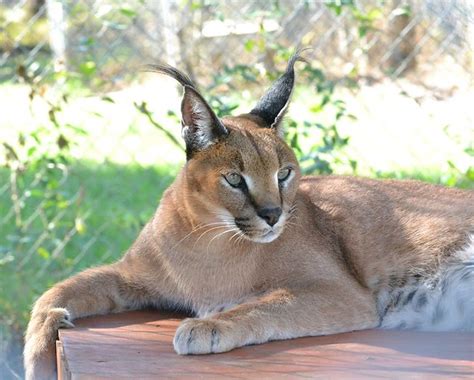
(258, 234)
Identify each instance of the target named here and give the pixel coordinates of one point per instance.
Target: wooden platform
(139, 345)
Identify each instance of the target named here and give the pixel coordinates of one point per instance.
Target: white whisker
(194, 230)
(223, 225)
(235, 235)
(218, 235)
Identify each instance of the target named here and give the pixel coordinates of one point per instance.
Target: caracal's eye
(234, 179)
(283, 174)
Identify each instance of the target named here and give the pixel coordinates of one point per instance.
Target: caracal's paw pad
(204, 336)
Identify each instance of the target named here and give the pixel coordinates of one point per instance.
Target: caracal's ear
(200, 125)
(273, 104)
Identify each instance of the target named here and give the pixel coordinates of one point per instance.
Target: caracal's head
(240, 176)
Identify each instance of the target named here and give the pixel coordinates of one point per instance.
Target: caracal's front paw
(205, 336)
(40, 353)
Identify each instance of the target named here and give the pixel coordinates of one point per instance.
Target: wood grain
(139, 344)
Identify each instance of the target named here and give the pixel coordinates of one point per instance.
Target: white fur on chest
(209, 288)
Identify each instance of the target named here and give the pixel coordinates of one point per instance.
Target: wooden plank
(139, 344)
(63, 372)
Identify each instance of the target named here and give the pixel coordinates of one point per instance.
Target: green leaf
(249, 45)
(62, 204)
(452, 165)
(451, 181)
(316, 108)
(128, 12)
(77, 129)
(80, 226)
(87, 68)
(374, 14)
(108, 99)
(469, 150)
(195, 5)
(43, 252)
(31, 151)
(470, 173)
(362, 30)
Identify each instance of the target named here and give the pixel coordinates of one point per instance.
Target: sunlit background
(88, 142)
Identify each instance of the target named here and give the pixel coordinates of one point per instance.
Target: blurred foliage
(457, 177)
(37, 169)
(325, 150)
(14, 34)
(365, 19)
(58, 216)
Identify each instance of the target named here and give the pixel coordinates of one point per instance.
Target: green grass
(451, 178)
(115, 201)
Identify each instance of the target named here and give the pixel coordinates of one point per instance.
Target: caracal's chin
(265, 238)
(267, 234)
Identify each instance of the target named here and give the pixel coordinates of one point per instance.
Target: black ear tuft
(201, 126)
(164, 68)
(272, 105)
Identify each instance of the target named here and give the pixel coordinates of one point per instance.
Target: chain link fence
(373, 38)
(63, 212)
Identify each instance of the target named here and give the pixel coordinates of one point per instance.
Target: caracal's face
(245, 184)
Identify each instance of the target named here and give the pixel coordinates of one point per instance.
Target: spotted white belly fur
(444, 302)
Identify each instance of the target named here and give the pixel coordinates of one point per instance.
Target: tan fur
(341, 238)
